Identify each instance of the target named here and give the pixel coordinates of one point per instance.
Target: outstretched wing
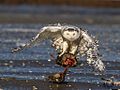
(48, 32)
(88, 46)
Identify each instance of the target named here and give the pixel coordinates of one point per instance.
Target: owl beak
(71, 39)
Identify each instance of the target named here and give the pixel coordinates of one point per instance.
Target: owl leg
(73, 49)
(64, 48)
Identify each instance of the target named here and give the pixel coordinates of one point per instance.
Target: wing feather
(48, 32)
(85, 41)
(88, 46)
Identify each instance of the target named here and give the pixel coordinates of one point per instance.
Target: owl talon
(57, 78)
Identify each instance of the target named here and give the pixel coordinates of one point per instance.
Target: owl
(69, 39)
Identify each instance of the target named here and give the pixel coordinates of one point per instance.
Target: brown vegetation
(96, 3)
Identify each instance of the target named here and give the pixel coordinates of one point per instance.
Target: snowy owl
(69, 39)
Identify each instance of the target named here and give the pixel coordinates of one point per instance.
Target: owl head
(71, 33)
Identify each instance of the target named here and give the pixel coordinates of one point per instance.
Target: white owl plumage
(69, 39)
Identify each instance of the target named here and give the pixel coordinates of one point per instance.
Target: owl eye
(67, 33)
(73, 34)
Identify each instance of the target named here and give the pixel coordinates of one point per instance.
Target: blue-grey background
(18, 24)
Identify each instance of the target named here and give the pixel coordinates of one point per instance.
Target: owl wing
(85, 41)
(48, 32)
(88, 46)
